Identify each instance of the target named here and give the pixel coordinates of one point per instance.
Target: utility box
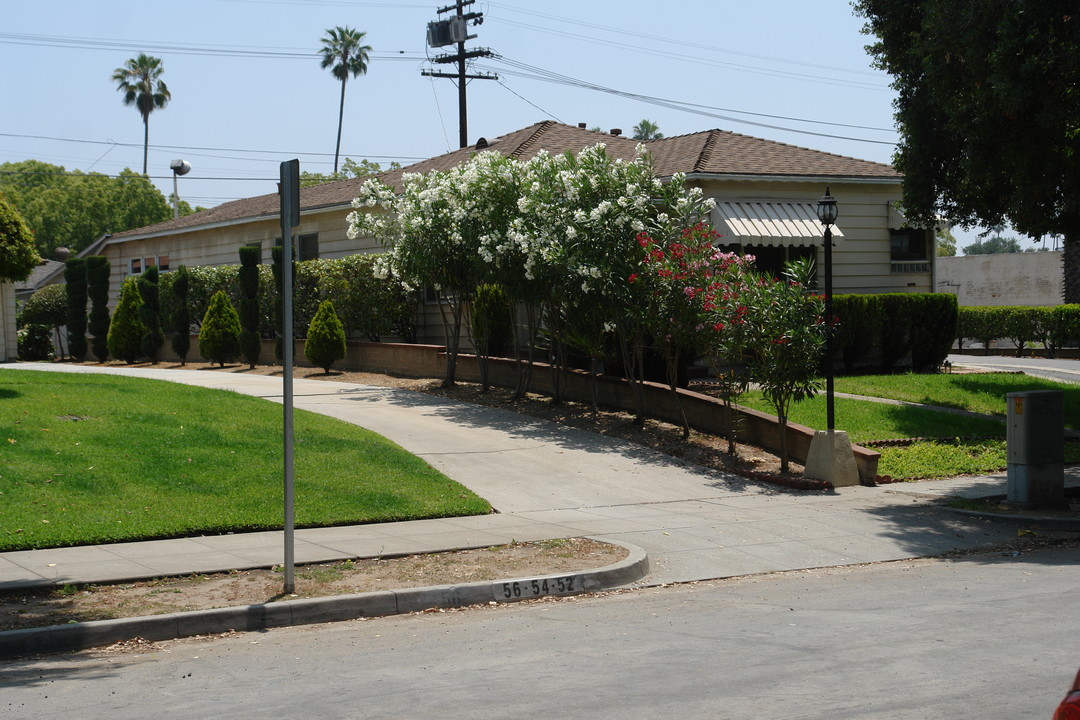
(1036, 448)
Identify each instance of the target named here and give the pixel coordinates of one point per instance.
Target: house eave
(818, 179)
(224, 223)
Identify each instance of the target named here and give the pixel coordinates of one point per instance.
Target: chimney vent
(616, 131)
(62, 254)
(583, 125)
(481, 143)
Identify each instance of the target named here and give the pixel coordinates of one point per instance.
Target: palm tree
(344, 55)
(140, 81)
(647, 130)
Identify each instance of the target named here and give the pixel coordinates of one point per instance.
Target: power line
(213, 149)
(534, 73)
(680, 42)
(148, 177)
(158, 46)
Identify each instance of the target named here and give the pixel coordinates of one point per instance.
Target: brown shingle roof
(715, 152)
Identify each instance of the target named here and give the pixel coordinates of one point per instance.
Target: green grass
(99, 458)
(864, 420)
(966, 444)
(978, 392)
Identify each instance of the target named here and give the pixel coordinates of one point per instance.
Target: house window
(907, 250)
(307, 247)
(163, 263)
(136, 266)
(770, 259)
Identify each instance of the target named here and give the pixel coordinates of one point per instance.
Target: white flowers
(565, 221)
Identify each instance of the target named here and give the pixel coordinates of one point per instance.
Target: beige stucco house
(766, 195)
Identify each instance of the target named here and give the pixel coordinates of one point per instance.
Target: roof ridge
(541, 127)
(706, 151)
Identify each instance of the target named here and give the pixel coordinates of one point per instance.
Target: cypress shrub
(219, 335)
(98, 270)
(180, 319)
(75, 277)
(150, 314)
(325, 342)
(126, 330)
(934, 323)
(250, 340)
(279, 309)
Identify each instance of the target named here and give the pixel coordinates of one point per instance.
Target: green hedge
(369, 307)
(1051, 327)
(894, 327)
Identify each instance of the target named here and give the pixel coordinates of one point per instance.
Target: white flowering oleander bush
(605, 248)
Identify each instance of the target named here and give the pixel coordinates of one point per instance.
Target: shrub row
(369, 307)
(1052, 327)
(891, 327)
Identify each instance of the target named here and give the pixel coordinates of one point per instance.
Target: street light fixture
(827, 212)
(178, 167)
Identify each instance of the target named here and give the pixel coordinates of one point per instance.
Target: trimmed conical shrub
(250, 340)
(75, 278)
(325, 342)
(126, 330)
(219, 336)
(98, 270)
(150, 314)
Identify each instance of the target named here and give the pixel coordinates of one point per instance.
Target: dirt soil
(75, 604)
(28, 609)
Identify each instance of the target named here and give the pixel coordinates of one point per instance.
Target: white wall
(1032, 279)
(9, 347)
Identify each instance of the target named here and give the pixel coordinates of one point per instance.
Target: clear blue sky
(248, 92)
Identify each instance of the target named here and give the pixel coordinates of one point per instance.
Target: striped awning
(769, 222)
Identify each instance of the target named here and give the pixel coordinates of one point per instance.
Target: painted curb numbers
(520, 589)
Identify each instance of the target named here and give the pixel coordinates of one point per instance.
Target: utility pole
(455, 31)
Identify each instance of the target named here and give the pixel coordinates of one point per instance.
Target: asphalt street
(990, 637)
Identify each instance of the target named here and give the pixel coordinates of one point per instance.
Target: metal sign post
(289, 191)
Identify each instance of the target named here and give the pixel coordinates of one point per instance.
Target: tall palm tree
(647, 130)
(342, 52)
(140, 81)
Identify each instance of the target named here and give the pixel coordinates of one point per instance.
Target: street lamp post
(830, 456)
(827, 212)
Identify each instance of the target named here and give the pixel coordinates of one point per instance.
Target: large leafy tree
(18, 258)
(988, 112)
(139, 79)
(73, 209)
(345, 54)
(350, 169)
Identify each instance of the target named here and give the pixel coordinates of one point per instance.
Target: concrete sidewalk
(549, 481)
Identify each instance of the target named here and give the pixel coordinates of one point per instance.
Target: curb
(1046, 523)
(246, 618)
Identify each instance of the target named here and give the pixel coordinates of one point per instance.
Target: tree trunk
(146, 141)
(1070, 261)
(340, 120)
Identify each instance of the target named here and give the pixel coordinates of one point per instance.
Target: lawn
(99, 458)
(865, 420)
(963, 445)
(978, 392)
